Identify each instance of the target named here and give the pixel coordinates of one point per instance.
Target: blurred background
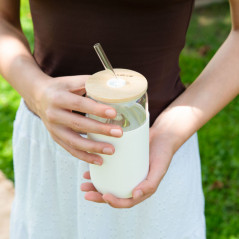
(218, 139)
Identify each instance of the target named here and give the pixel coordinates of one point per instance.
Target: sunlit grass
(218, 139)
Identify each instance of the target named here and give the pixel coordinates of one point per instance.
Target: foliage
(9, 101)
(219, 138)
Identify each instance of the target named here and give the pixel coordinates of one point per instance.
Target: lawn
(218, 139)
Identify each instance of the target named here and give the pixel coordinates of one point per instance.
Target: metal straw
(101, 54)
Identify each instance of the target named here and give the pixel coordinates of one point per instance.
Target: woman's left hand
(160, 156)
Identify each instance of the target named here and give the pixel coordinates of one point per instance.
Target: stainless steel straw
(105, 61)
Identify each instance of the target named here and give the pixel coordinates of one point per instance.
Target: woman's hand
(56, 100)
(159, 160)
(53, 99)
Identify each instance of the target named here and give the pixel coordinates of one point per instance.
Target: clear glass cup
(130, 115)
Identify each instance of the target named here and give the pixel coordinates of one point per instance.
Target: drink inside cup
(130, 115)
(128, 166)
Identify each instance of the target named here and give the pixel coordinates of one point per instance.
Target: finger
(83, 124)
(121, 202)
(86, 187)
(84, 156)
(86, 175)
(150, 184)
(76, 83)
(75, 141)
(80, 92)
(70, 101)
(94, 196)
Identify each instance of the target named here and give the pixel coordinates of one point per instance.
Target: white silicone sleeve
(121, 172)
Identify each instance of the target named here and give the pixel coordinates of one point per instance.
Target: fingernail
(97, 163)
(138, 194)
(107, 151)
(116, 132)
(110, 113)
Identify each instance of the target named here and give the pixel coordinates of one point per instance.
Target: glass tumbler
(121, 172)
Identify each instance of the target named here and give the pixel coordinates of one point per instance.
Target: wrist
(35, 94)
(166, 133)
(27, 79)
(168, 141)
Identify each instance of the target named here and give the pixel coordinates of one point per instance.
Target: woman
(49, 154)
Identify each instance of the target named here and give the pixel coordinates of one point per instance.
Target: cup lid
(103, 86)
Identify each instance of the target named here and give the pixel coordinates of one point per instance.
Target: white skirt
(49, 204)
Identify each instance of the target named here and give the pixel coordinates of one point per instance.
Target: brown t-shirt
(142, 35)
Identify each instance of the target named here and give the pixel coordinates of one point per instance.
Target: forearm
(215, 87)
(17, 65)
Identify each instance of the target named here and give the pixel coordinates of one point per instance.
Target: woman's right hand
(58, 98)
(53, 99)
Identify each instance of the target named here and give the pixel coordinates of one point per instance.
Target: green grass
(9, 101)
(218, 139)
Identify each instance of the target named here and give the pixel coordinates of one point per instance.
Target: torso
(145, 36)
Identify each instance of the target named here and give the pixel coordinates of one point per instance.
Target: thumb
(76, 83)
(147, 187)
(79, 92)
